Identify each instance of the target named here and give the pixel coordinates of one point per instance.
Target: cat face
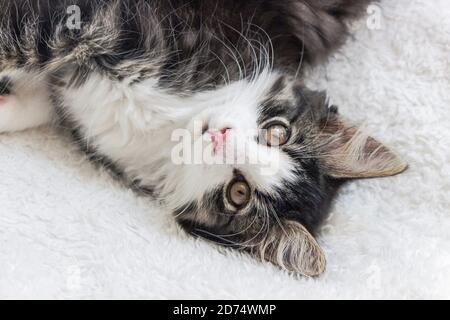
(270, 155)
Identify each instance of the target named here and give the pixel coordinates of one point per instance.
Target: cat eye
(276, 134)
(239, 193)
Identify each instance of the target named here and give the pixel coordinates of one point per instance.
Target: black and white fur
(138, 70)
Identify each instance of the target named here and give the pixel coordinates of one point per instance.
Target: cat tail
(320, 25)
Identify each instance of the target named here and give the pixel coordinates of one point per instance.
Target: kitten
(130, 78)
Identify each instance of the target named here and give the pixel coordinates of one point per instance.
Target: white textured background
(68, 231)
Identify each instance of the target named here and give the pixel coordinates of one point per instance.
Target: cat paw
(3, 101)
(24, 104)
(9, 113)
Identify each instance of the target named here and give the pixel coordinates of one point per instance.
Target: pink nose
(219, 138)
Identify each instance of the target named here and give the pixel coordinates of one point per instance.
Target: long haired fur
(135, 71)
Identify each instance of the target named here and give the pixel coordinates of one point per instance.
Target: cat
(127, 78)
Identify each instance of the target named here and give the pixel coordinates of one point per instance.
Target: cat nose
(224, 131)
(219, 135)
(219, 138)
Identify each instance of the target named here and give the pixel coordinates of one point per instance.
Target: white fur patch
(133, 126)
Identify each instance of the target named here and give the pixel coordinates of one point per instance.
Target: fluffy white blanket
(68, 230)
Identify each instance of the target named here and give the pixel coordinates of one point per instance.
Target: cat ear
(348, 153)
(290, 246)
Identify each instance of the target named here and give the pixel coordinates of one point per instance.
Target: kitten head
(270, 155)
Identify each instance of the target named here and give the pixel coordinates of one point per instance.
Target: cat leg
(24, 101)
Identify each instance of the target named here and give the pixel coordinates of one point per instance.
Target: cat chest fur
(130, 124)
